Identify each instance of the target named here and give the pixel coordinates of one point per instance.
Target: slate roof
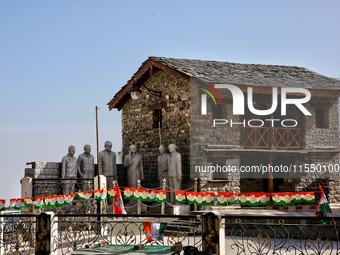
(239, 74)
(251, 74)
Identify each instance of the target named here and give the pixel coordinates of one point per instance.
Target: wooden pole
(99, 203)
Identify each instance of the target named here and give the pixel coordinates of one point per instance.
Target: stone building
(300, 142)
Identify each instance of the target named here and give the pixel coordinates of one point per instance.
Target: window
(321, 118)
(157, 118)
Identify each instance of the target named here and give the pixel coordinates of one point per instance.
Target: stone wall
(137, 124)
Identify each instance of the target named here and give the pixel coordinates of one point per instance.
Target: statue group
(169, 168)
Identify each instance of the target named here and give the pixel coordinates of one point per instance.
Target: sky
(61, 59)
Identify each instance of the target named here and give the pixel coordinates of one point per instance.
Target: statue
(175, 171)
(86, 168)
(107, 165)
(133, 161)
(69, 170)
(163, 165)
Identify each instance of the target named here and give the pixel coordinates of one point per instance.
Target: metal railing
(244, 234)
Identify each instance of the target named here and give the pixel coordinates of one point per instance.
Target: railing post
(195, 190)
(213, 233)
(163, 204)
(138, 201)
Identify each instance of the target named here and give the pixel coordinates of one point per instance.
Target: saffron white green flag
(144, 194)
(154, 230)
(61, 200)
(100, 194)
(38, 202)
(323, 207)
(152, 196)
(69, 199)
(191, 197)
(19, 204)
(85, 195)
(11, 203)
(28, 201)
(264, 198)
(222, 199)
(161, 196)
(111, 193)
(128, 193)
(2, 204)
(209, 198)
(180, 197)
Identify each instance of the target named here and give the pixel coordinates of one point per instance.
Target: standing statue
(69, 170)
(86, 168)
(133, 161)
(107, 165)
(163, 166)
(175, 171)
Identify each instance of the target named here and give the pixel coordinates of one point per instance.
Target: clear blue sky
(61, 59)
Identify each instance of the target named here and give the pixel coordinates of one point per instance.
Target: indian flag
(161, 196)
(323, 207)
(209, 198)
(243, 198)
(28, 201)
(222, 198)
(11, 203)
(232, 198)
(69, 199)
(191, 197)
(19, 204)
(200, 199)
(38, 202)
(61, 200)
(128, 193)
(253, 199)
(2, 204)
(144, 194)
(180, 197)
(264, 198)
(85, 195)
(152, 196)
(118, 204)
(310, 197)
(111, 193)
(100, 194)
(154, 231)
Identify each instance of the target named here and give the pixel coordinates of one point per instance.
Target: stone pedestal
(26, 187)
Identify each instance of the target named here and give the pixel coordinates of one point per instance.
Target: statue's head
(172, 148)
(133, 148)
(87, 149)
(71, 150)
(161, 149)
(108, 146)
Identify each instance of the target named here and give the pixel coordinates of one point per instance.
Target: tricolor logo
(204, 98)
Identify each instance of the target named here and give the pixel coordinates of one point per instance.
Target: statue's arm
(79, 167)
(63, 167)
(179, 165)
(114, 167)
(141, 168)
